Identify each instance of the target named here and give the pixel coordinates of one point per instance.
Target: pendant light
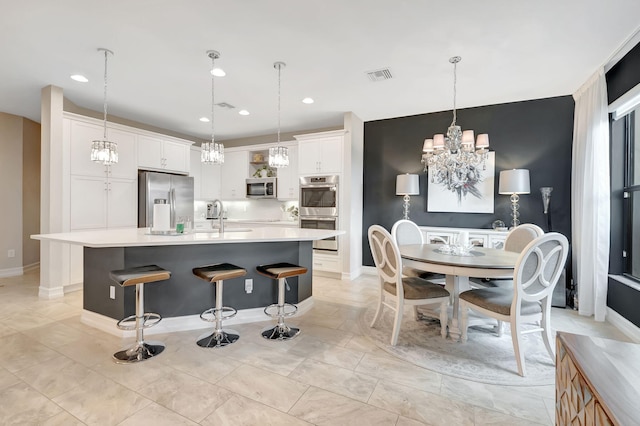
(279, 155)
(102, 150)
(212, 152)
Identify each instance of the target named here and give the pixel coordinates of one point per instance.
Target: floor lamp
(514, 182)
(407, 185)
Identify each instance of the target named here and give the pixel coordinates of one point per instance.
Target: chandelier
(102, 150)
(212, 152)
(279, 155)
(454, 160)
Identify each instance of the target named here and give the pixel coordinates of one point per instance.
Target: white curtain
(590, 192)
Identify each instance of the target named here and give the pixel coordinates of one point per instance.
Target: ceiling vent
(380, 75)
(225, 105)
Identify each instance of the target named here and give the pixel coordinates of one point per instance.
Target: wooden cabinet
(157, 153)
(596, 381)
(233, 174)
(320, 153)
(288, 179)
(206, 177)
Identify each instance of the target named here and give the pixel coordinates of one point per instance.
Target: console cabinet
(596, 381)
(477, 237)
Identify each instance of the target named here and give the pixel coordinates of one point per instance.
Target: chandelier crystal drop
(102, 150)
(212, 152)
(454, 160)
(279, 155)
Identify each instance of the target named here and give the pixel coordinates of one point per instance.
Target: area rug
(484, 358)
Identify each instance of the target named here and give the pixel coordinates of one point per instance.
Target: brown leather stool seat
(217, 274)
(280, 272)
(139, 276)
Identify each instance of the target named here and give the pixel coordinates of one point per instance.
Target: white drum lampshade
(407, 185)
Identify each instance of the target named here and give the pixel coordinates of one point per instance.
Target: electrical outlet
(112, 292)
(248, 285)
(11, 253)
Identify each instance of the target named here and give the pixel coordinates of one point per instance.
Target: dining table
(479, 262)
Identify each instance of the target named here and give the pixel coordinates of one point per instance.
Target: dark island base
(185, 294)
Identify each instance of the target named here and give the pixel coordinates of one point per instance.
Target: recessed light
(79, 78)
(307, 101)
(204, 119)
(218, 72)
(243, 112)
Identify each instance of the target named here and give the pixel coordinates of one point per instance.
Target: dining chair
(407, 232)
(397, 291)
(536, 273)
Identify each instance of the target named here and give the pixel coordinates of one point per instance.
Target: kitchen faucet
(220, 215)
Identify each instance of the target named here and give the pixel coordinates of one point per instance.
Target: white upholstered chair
(397, 291)
(407, 232)
(518, 238)
(536, 274)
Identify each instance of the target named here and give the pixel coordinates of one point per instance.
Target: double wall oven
(319, 207)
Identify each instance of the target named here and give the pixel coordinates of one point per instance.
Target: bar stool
(217, 274)
(138, 276)
(280, 272)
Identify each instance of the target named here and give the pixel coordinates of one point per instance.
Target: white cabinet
(156, 153)
(320, 153)
(81, 135)
(288, 180)
(98, 202)
(233, 174)
(326, 262)
(206, 177)
(477, 237)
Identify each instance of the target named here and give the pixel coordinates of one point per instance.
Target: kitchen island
(182, 298)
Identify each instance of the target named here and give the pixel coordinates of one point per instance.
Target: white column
(53, 256)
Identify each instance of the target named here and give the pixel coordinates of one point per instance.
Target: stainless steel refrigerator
(176, 189)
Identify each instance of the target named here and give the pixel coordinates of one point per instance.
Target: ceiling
(159, 74)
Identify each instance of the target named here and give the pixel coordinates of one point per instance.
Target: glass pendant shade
(105, 152)
(278, 156)
(212, 153)
(102, 150)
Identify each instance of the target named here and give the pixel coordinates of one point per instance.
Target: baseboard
(50, 292)
(184, 323)
(72, 287)
(369, 270)
(20, 270)
(624, 325)
(327, 274)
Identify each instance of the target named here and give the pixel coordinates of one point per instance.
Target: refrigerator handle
(172, 203)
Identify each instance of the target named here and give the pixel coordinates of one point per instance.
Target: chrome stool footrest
(148, 320)
(210, 314)
(138, 353)
(280, 332)
(218, 339)
(282, 313)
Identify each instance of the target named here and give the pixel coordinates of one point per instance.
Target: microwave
(261, 188)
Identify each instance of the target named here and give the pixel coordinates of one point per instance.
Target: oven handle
(331, 187)
(325, 219)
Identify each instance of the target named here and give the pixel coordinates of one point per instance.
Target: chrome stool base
(138, 353)
(218, 339)
(280, 332)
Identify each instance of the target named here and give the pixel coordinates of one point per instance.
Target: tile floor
(56, 371)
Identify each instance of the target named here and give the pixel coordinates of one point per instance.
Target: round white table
(481, 262)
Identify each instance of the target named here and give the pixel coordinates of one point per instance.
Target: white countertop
(131, 237)
(261, 222)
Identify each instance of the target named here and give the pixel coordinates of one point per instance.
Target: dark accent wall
(535, 135)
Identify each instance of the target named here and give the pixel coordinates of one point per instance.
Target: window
(631, 220)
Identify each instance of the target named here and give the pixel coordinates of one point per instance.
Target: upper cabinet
(81, 135)
(288, 180)
(206, 177)
(320, 153)
(156, 153)
(233, 173)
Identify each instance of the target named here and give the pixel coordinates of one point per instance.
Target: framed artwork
(475, 196)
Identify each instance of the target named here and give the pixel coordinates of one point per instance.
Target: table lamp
(514, 182)
(407, 185)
